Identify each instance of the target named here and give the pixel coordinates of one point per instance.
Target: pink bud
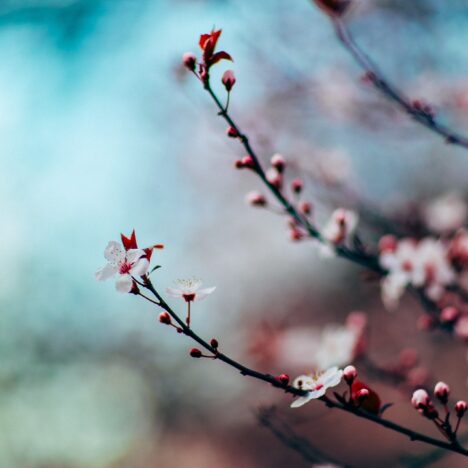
(349, 374)
(255, 199)
(232, 132)
(441, 391)
(284, 379)
(305, 208)
(420, 399)
(460, 408)
(165, 318)
(228, 80)
(195, 353)
(190, 61)
(248, 161)
(297, 185)
(278, 162)
(274, 177)
(362, 394)
(449, 314)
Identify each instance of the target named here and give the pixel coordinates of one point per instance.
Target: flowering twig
(420, 112)
(282, 382)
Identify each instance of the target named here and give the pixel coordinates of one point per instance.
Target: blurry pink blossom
(446, 213)
(340, 226)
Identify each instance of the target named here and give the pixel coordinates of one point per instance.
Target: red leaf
(129, 242)
(220, 56)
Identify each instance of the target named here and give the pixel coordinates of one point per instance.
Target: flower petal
(174, 292)
(301, 401)
(140, 268)
(202, 293)
(124, 283)
(114, 253)
(133, 255)
(106, 272)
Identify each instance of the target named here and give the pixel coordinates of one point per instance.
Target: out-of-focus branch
(268, 419)
(419, 113)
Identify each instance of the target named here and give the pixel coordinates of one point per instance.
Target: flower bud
(255, 199)
(449, 314)
(228, 80)
(442, 391)
(420, 399)
(278, 162)
(305, 208)
(460, 408)
(195, 353)
(232, 132)
(362, 395)
(284, 379)
(214, 343)
(190, 61)
(297, 185)
(349, 374)
(165, 318)
(274, 177)
(334, 8)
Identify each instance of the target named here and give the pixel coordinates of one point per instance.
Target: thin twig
(379, 81)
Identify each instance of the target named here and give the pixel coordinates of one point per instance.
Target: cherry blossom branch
(283, 384)
(360, 258)
(420, 112)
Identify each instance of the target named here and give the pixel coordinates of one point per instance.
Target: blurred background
(102, 132)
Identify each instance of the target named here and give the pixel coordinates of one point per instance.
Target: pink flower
(124, 264)
(419, 264)
(340, 226)
(316, 385)
(189, 290)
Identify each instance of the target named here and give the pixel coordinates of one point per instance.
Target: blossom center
(125, 268)
(189, 297)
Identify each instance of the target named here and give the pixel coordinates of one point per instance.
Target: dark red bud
(195, 353)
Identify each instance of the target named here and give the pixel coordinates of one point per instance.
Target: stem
(188, 314)
(391, 92)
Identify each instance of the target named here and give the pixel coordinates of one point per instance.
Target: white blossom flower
(419, 264)
(189, 290)
(316, 385)
(340, 226)
(125, 264)
(446, 213)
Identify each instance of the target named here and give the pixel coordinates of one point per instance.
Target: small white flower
(125, 264)
(340, 226)
(316, 385)
(189, 290)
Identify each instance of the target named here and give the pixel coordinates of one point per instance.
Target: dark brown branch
(373, 74)
(285, 434)
(246, 371)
